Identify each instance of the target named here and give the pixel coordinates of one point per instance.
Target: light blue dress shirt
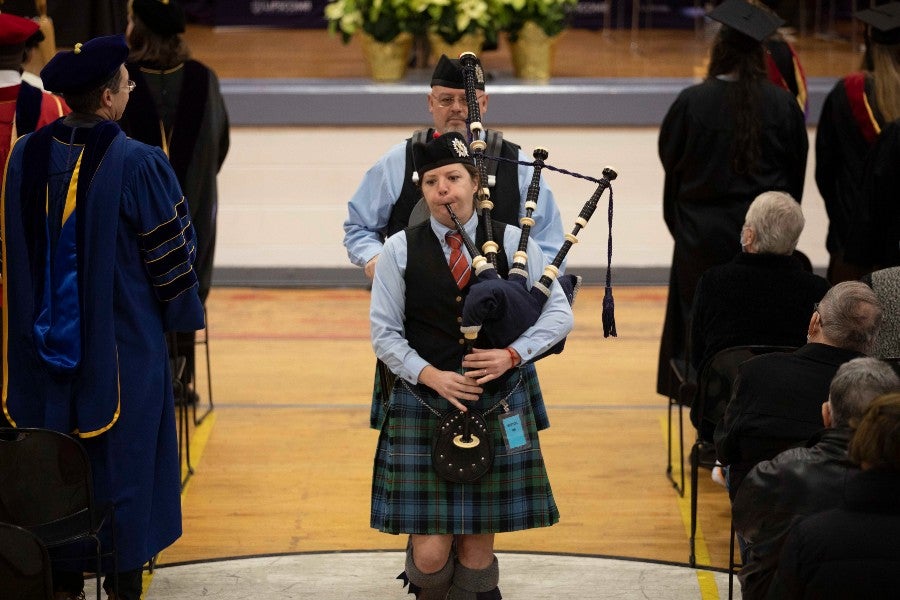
(369, 209)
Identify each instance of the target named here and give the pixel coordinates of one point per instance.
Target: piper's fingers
(487, 377)
(471, 361)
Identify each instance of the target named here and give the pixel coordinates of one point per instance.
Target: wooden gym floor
(287, 453)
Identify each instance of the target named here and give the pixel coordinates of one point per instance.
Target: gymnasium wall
(300, 148)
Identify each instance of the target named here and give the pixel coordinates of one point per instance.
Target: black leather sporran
(462, 451)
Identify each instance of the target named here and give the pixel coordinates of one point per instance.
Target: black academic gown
(186, 103)
(874, 239)
(705, 200)
(848, 127)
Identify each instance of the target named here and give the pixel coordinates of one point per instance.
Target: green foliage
(384, 20)
(550, 15)
(452, 19)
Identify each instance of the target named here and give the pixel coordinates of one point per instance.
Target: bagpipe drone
(500, 310)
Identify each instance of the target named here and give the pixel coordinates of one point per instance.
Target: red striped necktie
(459, 265)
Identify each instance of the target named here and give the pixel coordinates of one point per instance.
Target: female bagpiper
(421, 282)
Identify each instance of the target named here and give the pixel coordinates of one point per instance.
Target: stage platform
(616, 77)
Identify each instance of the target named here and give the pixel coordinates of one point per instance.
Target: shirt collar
(470, 226)
(9, 77)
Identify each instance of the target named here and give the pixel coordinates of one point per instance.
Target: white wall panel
(283, 193)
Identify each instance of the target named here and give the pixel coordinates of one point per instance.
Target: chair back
(715, 382)
(894, 361)
(45, 478)
(24, 565)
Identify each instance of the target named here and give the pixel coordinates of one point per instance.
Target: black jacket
(754, 299)
(776, 493)
(776, 405)
(849, 552)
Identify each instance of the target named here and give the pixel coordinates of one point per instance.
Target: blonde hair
(886, 76)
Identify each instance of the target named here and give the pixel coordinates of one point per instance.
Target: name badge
(512, 425)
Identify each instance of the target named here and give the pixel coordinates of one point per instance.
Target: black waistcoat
(433, 301)
(505, 194)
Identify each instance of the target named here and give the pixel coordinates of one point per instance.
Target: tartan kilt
(409, 497)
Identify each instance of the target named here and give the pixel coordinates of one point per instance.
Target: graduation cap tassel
(609, 305)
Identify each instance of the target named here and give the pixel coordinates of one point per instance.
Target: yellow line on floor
(705, 579)
(199, 436)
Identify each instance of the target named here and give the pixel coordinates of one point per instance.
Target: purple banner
(589, 14)
(305, 14)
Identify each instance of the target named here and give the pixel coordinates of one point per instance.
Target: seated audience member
(777, 399)
(763, 296)
(851, 551)
(804, 481)
(886, 284)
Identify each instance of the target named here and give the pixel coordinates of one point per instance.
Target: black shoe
(706, 456)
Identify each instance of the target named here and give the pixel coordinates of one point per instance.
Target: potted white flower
(386, 29)
(532, 27)
(456, 26)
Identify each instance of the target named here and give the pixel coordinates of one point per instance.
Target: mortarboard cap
(163, 17)
(449, 73)
(883, 21)
(445, 149)
(88, 66)
(751, 20)
(14, 31)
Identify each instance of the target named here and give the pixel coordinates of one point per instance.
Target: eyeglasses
(448, 101)
(129, 86)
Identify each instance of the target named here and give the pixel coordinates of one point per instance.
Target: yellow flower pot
(470, 42)
(387, 61)
(532, 53)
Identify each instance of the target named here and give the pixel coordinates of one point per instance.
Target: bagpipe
(500, 310)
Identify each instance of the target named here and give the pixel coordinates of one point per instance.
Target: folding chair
(177, 365)
(713, 392)
(25, 572)
(46, 488)
(684, 374)
(204, 342)
(733, 567)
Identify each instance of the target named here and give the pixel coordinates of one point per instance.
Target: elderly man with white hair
(764, 295)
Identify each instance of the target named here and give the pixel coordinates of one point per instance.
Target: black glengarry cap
(449, 73)
(445, 149)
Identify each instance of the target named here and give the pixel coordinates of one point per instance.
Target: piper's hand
(487, 364)
(370, 267)
(454, 387)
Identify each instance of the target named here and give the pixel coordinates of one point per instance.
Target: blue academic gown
(87, 353)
